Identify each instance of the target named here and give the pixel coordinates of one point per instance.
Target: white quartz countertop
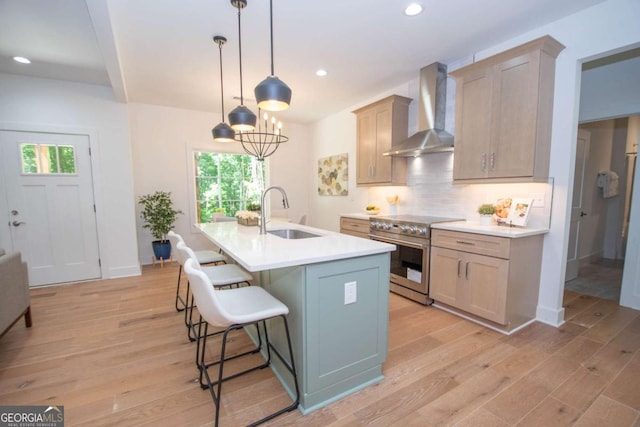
(257, 252)
(490, 230)
(357, 216)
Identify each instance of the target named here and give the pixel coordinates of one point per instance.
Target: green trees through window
(48, 159)
(226, 183)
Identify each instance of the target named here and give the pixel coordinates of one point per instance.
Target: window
(48, 159)
(226, 182)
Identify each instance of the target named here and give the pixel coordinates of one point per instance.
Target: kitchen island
(337, 289)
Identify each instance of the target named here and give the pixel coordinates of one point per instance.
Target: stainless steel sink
(292, 233)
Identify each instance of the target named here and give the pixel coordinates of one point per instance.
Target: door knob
(583, 214)
(14, 212)
(17, 223)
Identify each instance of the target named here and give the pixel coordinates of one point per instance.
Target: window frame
(191, 176)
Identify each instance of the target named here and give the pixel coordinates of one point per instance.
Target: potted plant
(253, 207)
(486, 211)
(159, 216)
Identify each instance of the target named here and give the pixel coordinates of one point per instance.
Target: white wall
(610, 91)
(163, 140)
(49, 105)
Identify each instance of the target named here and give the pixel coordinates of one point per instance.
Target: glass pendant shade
(272, 94)
(223, 133)
(242, 119)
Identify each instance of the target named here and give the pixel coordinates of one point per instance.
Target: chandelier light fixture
(222, 132)
(264, 140)
(272, 94)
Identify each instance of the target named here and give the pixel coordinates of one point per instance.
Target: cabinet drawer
(360, 226)
(474, 243)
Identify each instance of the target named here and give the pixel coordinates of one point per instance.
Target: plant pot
(486, 219)
(161, 249)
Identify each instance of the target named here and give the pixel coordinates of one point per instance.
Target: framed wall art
(333, 175)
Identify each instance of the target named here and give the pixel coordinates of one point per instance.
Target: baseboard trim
(550, 316)
(127, 271)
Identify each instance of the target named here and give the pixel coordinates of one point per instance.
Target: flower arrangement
(247, 217)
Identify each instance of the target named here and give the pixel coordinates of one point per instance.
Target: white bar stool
(234, 309)
(225, 275)
(204, 257)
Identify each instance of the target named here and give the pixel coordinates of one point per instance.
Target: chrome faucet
(285, 204)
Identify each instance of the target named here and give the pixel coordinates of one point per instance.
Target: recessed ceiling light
(321, 73)
(21, 60)
(413, 9)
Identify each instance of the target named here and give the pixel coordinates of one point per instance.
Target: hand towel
(608, 181)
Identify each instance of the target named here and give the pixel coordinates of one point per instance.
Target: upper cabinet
(503, 115)
(380, 126)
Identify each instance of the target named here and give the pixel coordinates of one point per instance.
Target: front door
(49, 192)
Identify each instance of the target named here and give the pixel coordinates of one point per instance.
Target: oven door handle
(398, 242)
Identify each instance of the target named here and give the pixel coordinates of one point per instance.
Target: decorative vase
(486, 219)
(161, 249)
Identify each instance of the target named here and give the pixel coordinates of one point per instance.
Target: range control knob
(413, 229)
(373, 225)
(388, 226)
(422, 231)
(404, 228)
(381, 226)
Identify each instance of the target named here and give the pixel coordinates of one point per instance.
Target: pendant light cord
(271, 31)
(221, 84)
(240, 53)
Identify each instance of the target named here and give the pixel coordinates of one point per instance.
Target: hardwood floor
(115, 353)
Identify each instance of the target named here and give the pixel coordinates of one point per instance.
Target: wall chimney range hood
(431, 136)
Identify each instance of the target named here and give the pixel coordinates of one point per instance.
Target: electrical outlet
(538, 200)
(350, 292)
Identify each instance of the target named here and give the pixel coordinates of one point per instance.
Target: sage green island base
(338, 348)
(337, 289)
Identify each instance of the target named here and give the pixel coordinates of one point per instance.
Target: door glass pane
(48, 159)
(67, 159)
(29, 160)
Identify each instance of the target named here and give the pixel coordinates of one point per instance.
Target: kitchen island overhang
(339, 345)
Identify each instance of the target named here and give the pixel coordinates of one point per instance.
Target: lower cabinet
(354, 227)
(492, 278)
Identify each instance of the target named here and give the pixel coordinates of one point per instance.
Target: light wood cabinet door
(379, 127)
(485, 286)
(473, 132)
(503, 115)
(366, 148)
(444, 276)
(511, 151)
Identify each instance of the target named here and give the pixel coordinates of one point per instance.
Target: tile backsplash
(430, 191)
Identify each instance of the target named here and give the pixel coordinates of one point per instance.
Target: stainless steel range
(410, 261)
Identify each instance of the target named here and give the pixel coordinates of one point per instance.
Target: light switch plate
(350, 292)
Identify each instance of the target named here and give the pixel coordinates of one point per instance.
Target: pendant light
(241, 118)
(272, 94)
(222, 132)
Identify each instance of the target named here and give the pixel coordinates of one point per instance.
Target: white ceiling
(161, 51)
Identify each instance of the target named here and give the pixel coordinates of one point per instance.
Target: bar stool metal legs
(207, 383)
